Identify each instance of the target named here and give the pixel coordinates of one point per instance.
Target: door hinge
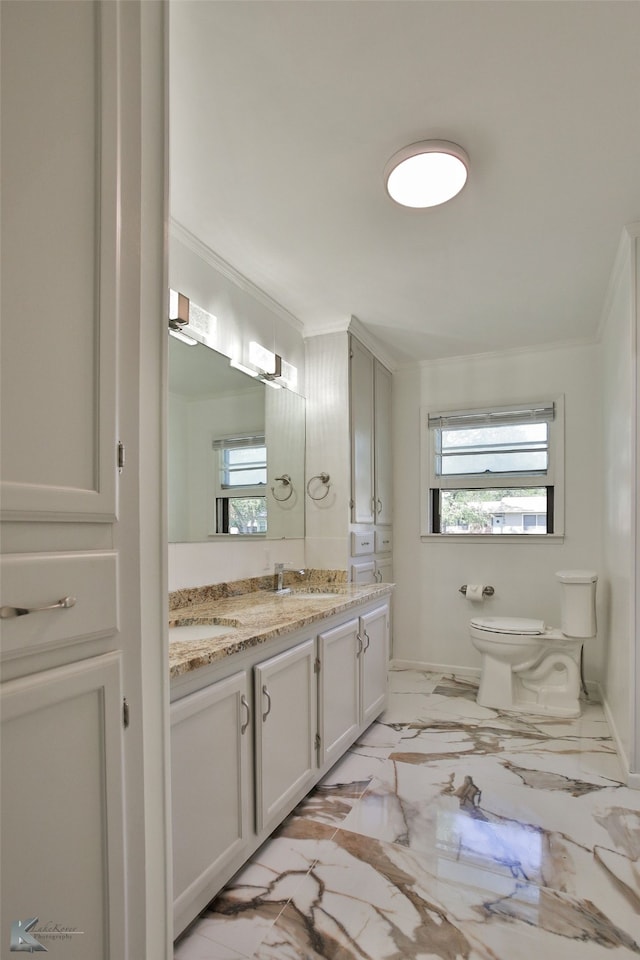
(318, 741)
(316, 665)
(121, 456)
(125, 713)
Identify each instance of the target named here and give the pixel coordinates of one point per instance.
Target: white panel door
(211, 798)
(374, 662)
(62, 816)
(59, 266)
(286, 719)
(339, 689)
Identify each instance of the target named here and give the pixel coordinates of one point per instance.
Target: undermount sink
(199, 631)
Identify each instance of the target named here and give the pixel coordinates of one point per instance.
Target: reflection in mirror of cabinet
(210, 401)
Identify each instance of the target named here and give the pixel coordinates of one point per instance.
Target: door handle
(245, 704)
(360, 645)
(266, 693)
(7, 613)
(368, 641)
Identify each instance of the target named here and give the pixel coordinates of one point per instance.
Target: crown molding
(197, 246)
(497, 354)
(363, 334)
(371, 342)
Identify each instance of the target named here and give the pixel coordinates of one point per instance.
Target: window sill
(554, 538)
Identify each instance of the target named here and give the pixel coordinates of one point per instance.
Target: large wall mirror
(235, 451)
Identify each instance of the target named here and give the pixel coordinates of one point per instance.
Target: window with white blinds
(488, 471)
(240, 504)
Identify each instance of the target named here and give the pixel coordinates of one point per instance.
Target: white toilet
(531, 668)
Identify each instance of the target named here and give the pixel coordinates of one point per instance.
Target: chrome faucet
(278, 577)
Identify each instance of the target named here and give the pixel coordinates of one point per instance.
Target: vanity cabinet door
(210, 790)
(374, 662)
(339, 677)
(286, 716)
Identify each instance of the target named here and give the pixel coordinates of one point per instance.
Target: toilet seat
(515, 626)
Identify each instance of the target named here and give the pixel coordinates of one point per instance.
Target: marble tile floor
(448, 832)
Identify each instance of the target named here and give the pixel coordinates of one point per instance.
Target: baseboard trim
(631, 779)
(397, 664)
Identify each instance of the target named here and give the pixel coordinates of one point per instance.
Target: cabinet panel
(383, 467)
(62, 817)
(384, 540)
(339, 713)
(374, 662)
(384, 570)
(211, 795)
(286, 712)
(362, 457)
(59, 248)
(364, 571)
(362, 543)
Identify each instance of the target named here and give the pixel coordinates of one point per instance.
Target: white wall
(431, 616)
(619, 401)
(243, 313)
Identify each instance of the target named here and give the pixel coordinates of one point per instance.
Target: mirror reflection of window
(241, 477)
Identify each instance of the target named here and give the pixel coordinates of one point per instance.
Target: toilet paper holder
(486, 591)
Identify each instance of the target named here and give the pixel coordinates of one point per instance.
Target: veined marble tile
(329, 803)
(409, 680)
(519, 742)
(501, 836)
(194, 946)
(376, 900)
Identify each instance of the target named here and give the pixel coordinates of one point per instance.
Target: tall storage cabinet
(349, 439)
(75, 225)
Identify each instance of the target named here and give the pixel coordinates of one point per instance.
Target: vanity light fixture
(178, 307)
(241, 367)
(427, 173)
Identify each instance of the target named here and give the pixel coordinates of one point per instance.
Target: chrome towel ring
(285, 480)
(323, 478)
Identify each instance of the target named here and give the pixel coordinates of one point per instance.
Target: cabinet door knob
(245, 704)
(266, 693)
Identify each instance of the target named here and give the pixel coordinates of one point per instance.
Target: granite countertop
(248, 613)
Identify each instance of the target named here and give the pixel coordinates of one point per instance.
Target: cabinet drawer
(37, 580)
(384, 541)
(362, 543)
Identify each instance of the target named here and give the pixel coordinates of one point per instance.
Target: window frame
(553, 478)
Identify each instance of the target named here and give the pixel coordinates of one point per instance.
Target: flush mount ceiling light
(427, 173)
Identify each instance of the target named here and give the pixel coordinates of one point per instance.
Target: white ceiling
(284, 113)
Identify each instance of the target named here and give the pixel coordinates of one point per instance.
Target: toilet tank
(578, 602)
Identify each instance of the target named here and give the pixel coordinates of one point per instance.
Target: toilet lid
(517, 625)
